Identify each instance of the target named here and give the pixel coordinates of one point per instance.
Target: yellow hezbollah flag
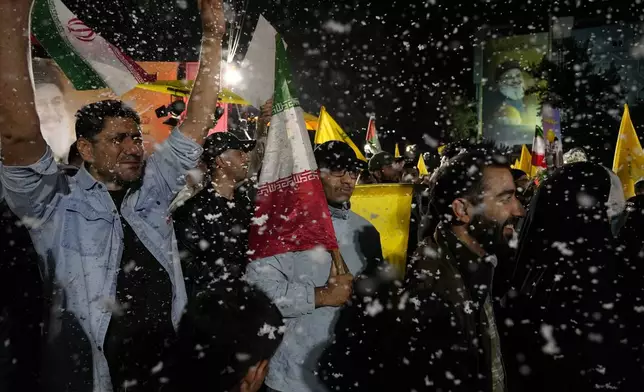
(516, 164)
(525, 162)
(422, 168)
(329, 130)
(397, 152)
(628, 163)
(388, 208)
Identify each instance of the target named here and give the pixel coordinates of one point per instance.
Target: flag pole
(339, 263)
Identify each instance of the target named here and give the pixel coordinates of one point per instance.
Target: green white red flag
(539, 149)
(372, 136)
(291, 211)
(89, 61)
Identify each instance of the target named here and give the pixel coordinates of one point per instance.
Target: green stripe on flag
(284, 97)
(49, 32)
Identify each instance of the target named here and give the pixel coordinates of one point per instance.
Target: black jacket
(212, 236)
(21, 306)
(425, 337)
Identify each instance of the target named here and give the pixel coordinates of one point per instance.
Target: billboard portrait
(57, 103)
(509, 113)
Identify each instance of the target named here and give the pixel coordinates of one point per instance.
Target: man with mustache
(474, 196)
(212, 226)
(108, 244)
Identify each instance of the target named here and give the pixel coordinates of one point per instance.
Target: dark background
(398, 60)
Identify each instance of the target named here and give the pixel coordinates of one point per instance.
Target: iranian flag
(291, 211)
(539, 149)
(372, 136)
(88, 61)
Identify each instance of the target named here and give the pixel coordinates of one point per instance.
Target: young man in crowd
(226, 338)
(440, 333)
(303, 285)
(104, 234)
(212, 226)
(475, 198)
(385, 169)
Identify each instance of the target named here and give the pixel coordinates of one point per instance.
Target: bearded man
(475, 198)
(511, 108)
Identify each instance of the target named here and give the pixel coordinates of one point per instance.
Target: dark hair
(517, 174)
(462, 177)
(90, 119)
(639, 187)
(228, 328)
(452, 149)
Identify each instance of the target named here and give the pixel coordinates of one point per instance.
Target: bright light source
(232, 76)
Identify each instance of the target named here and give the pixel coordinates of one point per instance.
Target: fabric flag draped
(372, 136)
(88, 61)
(422, 168)
(257, 70)
(628, 162)
(328, 129)
(397, 152)
(538, 149)
(290, 212)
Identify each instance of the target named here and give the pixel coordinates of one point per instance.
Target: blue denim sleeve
(171, 161)
(33, 191)
(293, 299)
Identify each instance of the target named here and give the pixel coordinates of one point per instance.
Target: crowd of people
(121, 273)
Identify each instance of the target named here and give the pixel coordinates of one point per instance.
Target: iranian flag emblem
(291, 212)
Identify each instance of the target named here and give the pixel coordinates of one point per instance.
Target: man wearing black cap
(212, 227)
(301, 284)
(386, 169)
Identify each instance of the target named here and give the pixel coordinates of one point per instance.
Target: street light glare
(232, 76)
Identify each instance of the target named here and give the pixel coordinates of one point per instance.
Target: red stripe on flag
(284, 213)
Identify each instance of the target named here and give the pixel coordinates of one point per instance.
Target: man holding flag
(293, 233)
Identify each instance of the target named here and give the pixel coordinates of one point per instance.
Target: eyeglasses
(340, 173)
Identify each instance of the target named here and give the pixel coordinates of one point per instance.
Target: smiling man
(475, 198)
(111, 261)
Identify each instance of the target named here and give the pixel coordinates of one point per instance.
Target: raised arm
(22, 142)
(203, 99)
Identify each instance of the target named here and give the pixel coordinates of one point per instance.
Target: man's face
(390, 174)
(234, 163)
(338, 184)
(496, 215)
(116, 154)
(54, 119)
(511, 84)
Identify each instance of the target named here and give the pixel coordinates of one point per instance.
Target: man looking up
(219, 214)
(104, 234)
(305, 287)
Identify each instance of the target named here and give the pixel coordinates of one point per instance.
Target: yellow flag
(388, 208)
(441, 148)
(397, 152)
(628, 163)
(329, 130)
(516, 164)
(422, 169)
(525, 163)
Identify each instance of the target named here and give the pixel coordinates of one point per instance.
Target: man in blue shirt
(105, 234)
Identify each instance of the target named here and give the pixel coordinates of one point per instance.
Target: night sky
(395, 59)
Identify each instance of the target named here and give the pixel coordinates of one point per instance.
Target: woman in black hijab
(565, 330)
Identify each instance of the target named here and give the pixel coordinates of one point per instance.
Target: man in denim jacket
(111, 261)
(302, 285)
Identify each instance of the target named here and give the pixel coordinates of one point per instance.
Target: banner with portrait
(509, 114)
(57, 102)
